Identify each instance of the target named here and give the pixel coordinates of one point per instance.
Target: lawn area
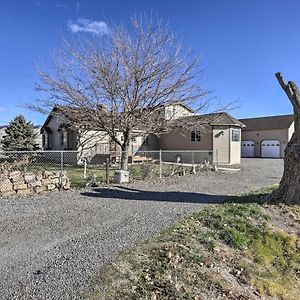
(242, 249)
(76, 172)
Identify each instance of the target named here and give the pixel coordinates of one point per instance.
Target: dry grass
(228, 251)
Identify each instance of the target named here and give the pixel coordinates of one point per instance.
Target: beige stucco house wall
(177, 143)
(235, 147)
(216, 144)
(178, 140)
(228, 150)
(176, 111)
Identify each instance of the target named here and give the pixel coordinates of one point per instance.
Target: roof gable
(213, 119)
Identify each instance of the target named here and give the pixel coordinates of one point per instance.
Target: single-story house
(266, 136)
(219, 134)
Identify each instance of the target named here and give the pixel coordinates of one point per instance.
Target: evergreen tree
(20, 136)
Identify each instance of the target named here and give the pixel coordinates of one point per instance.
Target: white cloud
(85, 25)
(61, 5)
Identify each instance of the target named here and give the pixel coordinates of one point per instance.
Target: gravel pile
(52, 245)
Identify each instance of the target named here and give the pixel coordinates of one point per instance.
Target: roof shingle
(268, 123)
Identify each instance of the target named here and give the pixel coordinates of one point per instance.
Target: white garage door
(247, 149)
(270, 148)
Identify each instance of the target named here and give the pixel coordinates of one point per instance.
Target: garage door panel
(247, 148)
(270, 149)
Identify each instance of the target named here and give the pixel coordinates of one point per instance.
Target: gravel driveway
(52, 245)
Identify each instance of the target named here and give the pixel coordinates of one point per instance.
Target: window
(236, 135)
(46, 140)
(146, 140)
(133, 139)
(195, 136)
(64, 139)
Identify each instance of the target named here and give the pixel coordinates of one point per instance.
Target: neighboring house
(219, 134)
(59, 134)
(37, 130)
(266, 136)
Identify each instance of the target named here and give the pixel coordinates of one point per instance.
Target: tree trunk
(289, 188)
(124, 157)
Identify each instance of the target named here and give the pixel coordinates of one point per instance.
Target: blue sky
(242, 44)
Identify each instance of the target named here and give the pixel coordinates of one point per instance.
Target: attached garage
(270, 135)
(247, 149)
(270, 148)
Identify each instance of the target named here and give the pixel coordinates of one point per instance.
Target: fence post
(61, 168)
(160, 164)
(193, 163)
(84, 167)
(107, 170)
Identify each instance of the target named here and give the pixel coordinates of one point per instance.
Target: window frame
(64, 139)
(46, 140)
(235, 135)
(146, 140)
(195, 136)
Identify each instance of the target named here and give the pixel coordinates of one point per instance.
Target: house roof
(56, 110)
(268, 123)
(213, 119)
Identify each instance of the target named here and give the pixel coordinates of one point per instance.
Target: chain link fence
(100, 167)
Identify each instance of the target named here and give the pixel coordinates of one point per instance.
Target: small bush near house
(236, 250)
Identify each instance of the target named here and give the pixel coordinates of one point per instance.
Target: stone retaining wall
(23, 183)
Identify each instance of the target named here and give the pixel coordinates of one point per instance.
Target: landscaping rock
(14, 174)
(39, 176)
(24, 192)
(16, 182)
(51, 187)
(7, 193)
(46, 181)
(20, 186)
(47, 174)
(35, 183)
(18, 178)
(55, 180)
(39, 189)
(6, 186)
(29, 177)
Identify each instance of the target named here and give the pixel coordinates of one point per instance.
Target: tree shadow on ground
(126, 193)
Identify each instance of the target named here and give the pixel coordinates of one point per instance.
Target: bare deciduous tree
(120, 82)
(289, 188)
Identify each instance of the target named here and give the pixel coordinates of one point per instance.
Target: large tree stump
(289, 188)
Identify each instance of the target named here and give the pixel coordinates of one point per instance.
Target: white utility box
(121, 176)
